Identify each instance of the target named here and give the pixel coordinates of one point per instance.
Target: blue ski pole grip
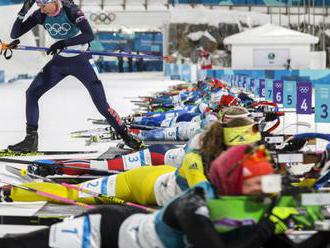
(312, 136)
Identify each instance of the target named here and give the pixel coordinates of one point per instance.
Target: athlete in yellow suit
(139, 185)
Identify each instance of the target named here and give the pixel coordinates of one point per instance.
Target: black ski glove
(185, 207)
(271, 116)
(56, 48)
(26, 6)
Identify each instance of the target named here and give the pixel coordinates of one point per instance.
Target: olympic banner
(101, 17)
(247, 84)
(252, 84)
(322, 103)
(256, 87)
(240, 82)
(278, 91)
(304, 98)
(236, 79)
(290, 94)
(230, 80)
(269, 89)
(243, 82)
(262, 88)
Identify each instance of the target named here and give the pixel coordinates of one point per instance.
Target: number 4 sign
(322, 102)
(304, 98)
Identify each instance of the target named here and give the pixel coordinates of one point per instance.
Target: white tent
(271, 46)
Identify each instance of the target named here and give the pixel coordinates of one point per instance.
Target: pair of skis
(9, 153)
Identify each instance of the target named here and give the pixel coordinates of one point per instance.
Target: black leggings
(112, 218)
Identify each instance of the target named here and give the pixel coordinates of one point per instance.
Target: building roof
(270, 34)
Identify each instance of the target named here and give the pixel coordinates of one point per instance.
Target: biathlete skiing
(68, 26)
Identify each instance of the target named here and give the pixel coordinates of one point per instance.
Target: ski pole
(14, 45)
(49, 195)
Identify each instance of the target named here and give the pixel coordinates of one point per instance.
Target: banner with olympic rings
(306, 92)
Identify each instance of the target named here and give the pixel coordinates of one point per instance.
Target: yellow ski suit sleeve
(135, 185)
(192, 169)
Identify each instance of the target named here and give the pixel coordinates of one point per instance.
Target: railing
(294, 3)
(147, 3)
(105, 3)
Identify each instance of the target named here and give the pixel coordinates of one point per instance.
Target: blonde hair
(212, 142)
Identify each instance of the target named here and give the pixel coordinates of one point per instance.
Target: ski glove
(190, 204)
(56, 48)
(280, 217)
(26, 6)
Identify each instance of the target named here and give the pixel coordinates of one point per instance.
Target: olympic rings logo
(58, 29)
(278, 85)
(104, 17)
(303, 89)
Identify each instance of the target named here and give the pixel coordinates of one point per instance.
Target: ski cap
(232, 167)
(228, 100)
(43, 2)
(232, 113)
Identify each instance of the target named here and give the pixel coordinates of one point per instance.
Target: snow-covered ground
(66, 107)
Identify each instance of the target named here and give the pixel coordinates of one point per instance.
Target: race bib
(103, 185)
(170, 133)
(79, 232)
(188, 130)
(137, 159)
(174, 157)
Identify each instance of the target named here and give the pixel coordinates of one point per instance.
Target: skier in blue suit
(67, 25)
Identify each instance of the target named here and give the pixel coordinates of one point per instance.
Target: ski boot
(30, 142)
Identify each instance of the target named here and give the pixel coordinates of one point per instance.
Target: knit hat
(234, 112)
(232, 167)
(43, 2)
(256, 164)
(228, 100)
